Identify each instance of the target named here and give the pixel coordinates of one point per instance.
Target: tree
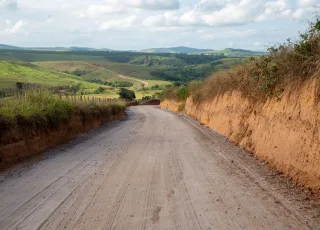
(127, 94)
(75, 88)
(99, 90)
(155, 87)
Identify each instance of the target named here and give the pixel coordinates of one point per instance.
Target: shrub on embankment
(34, 121)
(263, 77)
(268, 106)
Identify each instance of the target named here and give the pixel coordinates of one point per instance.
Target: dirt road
(144, 83)
(151, 170)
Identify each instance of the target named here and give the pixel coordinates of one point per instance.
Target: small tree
(75, 88)
(127, 94)
(99, 90)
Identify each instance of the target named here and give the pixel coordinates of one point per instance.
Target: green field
(36, 73)
(137, 71)
(104, 72)
(12, 72)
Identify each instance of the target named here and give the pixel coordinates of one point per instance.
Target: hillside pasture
(12, 72)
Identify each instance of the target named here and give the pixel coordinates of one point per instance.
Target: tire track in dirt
(153, 170)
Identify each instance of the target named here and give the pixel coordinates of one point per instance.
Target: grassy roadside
(42, 108)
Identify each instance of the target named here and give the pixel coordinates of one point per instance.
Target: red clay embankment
(23, 141)
(285, 133)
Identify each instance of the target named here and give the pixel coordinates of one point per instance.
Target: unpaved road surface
(151, 170)
(144, 83)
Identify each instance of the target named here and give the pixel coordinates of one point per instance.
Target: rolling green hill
(106, 72)
(144, 66)
(3, 46)
(229, 52)
(180, 49)
(12, 72)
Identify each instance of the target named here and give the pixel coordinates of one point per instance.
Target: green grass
(94, 72)
(162, 84)
(12, 72)
(67, 66)
(158, 60)
(41, 108)
(137, 71)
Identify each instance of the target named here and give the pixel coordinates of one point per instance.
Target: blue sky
(140, 24)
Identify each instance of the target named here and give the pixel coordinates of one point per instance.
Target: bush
(127, 94)
(183, 93)
(99, 90)
(146, 98)
(122, 84)
(155, 87)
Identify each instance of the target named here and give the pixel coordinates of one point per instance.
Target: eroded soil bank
(285, 133)
(23, 141)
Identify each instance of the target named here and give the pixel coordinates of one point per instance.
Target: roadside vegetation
(42, 108)
(261, 77)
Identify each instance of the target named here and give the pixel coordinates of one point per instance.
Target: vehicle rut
(151, 170)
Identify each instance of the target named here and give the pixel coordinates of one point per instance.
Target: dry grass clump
(267, 76)
(95, 108)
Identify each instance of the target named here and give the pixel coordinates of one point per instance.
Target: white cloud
(95, 22)
(119, 24)
(274, 9)
(9, 4)
(305, 8)
(100, 10)
(155, 4)
(210, 5)
(17, 28)
(169, 19)
(306, 3)
(230, 34)
(148, 4)
(224, 13)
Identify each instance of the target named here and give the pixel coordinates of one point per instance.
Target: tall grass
(42, 107)
(36, 106)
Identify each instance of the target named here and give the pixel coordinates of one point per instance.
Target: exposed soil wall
(22, 141)
(285, 133)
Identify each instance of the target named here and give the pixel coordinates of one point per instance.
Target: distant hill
(74, 48)
(2, 46)
(180, 49)
(230, 52)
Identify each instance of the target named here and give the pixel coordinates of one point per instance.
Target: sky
(142, 24)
